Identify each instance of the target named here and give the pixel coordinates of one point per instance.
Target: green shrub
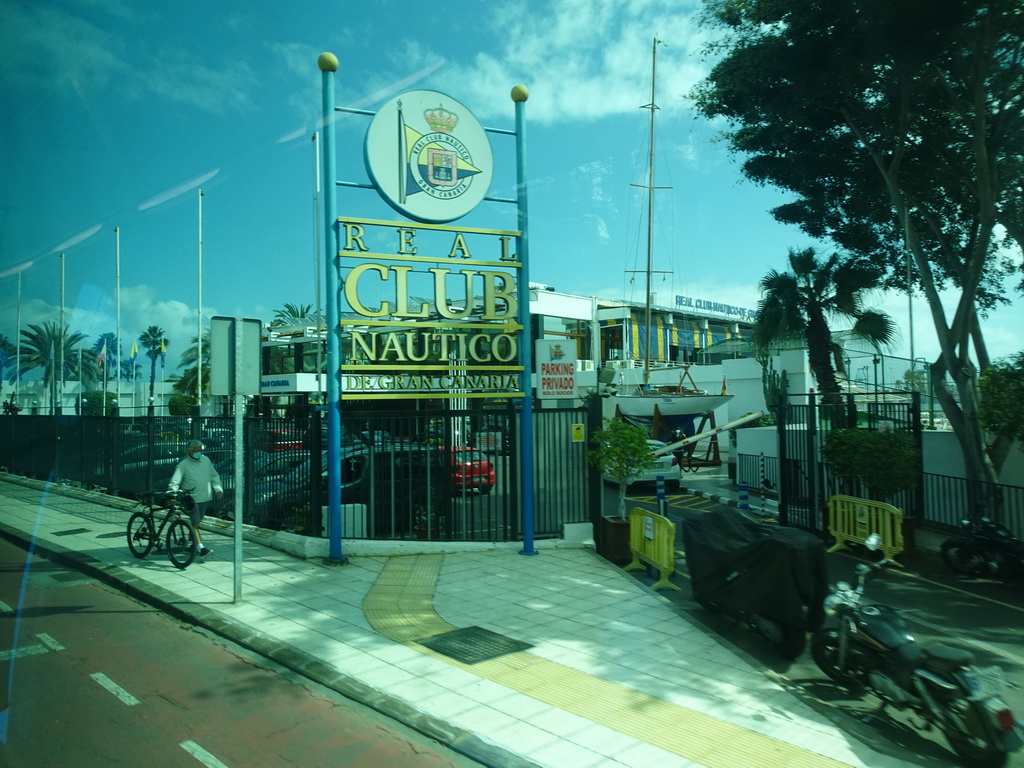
(180, 405)
(96, 402)
(884, 462)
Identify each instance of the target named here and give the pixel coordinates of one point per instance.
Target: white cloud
(92, 312)
(584, 60)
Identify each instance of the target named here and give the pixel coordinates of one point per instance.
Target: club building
(606, 334)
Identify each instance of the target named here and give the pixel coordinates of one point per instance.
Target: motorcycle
(873, 647)
(985, 549)
(771, 578)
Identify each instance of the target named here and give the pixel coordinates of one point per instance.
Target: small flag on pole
(135, 351)
(102, 355)
(163, 353)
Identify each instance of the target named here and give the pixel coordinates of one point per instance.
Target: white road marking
(49, 642)
(25, 650)
(201, 755)
(115, 689)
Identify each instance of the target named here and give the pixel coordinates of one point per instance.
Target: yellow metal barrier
(852, 520)
(652, 540)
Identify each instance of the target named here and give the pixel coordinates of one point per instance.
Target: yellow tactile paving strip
(400, 607)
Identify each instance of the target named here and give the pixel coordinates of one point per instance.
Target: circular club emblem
(428, 156)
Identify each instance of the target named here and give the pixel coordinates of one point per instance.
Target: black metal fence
(441, 475)
(946, 500)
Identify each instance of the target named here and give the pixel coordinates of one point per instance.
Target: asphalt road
(984, 616)
(92, 678)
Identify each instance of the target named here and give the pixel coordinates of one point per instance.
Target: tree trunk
(819, 356)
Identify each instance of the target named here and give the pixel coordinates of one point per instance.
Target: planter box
(613, 539)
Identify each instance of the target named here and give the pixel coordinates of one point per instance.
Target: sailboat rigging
(669, 409)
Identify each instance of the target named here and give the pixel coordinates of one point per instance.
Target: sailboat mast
(650, 218)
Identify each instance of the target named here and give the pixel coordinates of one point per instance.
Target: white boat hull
(642, 406)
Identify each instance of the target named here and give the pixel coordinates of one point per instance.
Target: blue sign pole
(519, 96)
(328, 64)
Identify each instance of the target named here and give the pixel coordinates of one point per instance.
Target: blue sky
(119, 112)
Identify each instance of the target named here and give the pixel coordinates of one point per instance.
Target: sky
(119, 112)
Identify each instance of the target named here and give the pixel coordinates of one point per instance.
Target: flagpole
(17, 352)
(199, 332)
(80, 379)
(117, 304)
(59, 389)
(163, 362)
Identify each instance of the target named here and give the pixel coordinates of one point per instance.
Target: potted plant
(618, 451)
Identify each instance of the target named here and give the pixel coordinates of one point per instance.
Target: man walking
(197, 473)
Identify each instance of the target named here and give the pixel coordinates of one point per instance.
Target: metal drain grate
(66, 576)
(471, 645)
(71, 532)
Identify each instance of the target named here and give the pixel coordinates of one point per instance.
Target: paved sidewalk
(601, 671)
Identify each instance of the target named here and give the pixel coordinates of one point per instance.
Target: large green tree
(898, 126)
(801, 302)
(1002, 392)
(155, 344)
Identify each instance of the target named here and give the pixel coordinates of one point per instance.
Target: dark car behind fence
(401, 476)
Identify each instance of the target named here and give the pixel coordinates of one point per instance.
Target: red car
(272, 440)
(470, 469)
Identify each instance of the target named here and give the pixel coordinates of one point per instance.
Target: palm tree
(799, 303)
(293, 314)
(187, 383)
(41, 347)
(7, 355)
(155, 344)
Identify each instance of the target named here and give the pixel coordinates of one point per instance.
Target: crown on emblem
(441, 119)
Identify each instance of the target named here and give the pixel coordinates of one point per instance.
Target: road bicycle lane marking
(126, 698)
(202, 755)
(22, 651)
(45, 645)
(49, 642)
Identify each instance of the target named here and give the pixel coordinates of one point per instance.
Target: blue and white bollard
(660, 483)
(744, 497)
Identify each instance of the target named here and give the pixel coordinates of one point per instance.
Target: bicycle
(143, 533)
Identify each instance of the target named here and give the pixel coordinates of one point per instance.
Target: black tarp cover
(744, 565)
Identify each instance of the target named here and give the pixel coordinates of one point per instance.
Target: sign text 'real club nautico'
(432, 307)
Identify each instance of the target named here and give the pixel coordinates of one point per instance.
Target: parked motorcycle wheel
(977, 750)
(825, 652)
(959, 556)
(789, 640)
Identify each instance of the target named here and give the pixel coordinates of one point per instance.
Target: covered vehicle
(774, 578)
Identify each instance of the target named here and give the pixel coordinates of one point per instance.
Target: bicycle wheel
(141, 534)
(181, 544)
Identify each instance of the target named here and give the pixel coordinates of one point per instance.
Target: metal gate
(803, 423)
